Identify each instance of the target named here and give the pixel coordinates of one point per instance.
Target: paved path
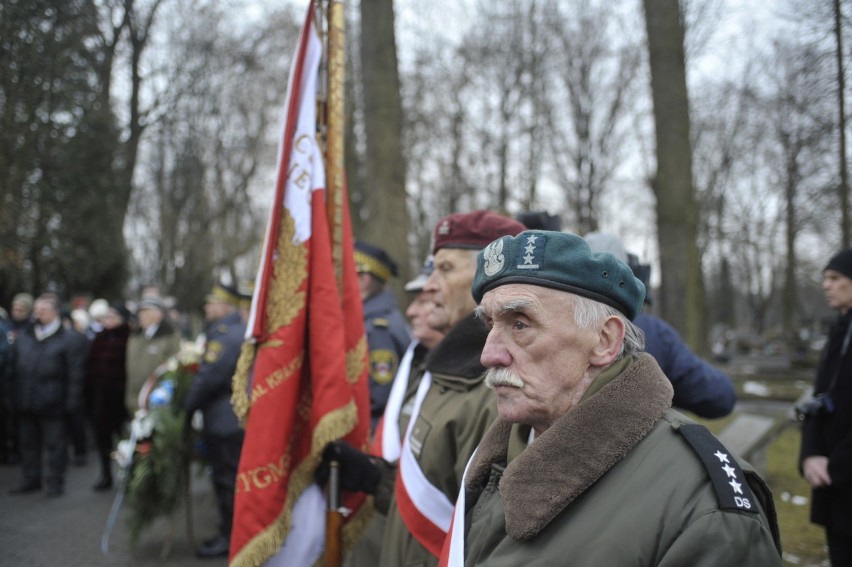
(36, 531)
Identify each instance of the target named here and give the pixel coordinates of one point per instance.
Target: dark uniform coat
(387, 339)
(210, 391)
(830, 434)
(615, 481)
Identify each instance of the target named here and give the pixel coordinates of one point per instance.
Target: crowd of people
(573, 419)
(71, 376)
(524, 407)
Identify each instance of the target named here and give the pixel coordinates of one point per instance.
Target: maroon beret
(474, 230)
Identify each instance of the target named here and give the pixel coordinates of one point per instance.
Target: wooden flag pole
(334, 519)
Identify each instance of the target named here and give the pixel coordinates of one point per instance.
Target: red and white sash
(387, 440)
(426, 511)
(452, 555)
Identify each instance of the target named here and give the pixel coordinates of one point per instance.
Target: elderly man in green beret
(586, 463)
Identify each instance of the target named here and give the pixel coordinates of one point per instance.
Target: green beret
(560, 261)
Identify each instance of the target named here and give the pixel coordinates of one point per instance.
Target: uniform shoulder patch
(381, 322)
(729, 481)
(382, 365)
(212, 351)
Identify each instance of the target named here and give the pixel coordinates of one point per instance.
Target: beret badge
(493, 260)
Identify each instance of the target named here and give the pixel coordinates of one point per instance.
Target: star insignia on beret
(528, 255)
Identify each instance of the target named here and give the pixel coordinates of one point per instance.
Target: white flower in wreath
(190, 353)
(142, 427)
(123, 454)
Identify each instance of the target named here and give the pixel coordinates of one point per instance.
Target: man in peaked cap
(210, 392)
(387, 332)
(586, 460)
(445, 409)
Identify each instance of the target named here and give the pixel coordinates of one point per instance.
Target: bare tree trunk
(139, 28)
(352, 155)
(843, 190)
(682, 289)
(788, 307)
(385, 196)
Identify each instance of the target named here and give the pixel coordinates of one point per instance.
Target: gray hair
(590, 314)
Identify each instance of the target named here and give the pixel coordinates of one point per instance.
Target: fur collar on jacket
(575, 451)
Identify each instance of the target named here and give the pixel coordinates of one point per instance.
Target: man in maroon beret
(446, 408)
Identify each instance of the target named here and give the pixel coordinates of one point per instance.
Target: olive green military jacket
(454, 416)
(614, 482)
(144, 355)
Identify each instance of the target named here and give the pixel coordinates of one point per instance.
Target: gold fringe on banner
(267, 543)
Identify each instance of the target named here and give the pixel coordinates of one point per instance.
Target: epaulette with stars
(729, 482)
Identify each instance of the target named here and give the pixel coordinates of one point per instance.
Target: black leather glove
(357, 471)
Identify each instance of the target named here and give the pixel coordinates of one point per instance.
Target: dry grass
(803, 542)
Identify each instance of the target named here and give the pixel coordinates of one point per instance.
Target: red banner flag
(302, 377)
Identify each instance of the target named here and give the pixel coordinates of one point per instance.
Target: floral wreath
(154, 461)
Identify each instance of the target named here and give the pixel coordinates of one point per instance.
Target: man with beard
(449, 407)
(587, 463)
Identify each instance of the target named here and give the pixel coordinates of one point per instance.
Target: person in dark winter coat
(46, 372)
(20, 317)
(826, 454)
(106, 380)
(210, 392)
(387, 332)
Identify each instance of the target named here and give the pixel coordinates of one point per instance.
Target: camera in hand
(821, 404)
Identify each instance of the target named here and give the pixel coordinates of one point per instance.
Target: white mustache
(502, 377)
